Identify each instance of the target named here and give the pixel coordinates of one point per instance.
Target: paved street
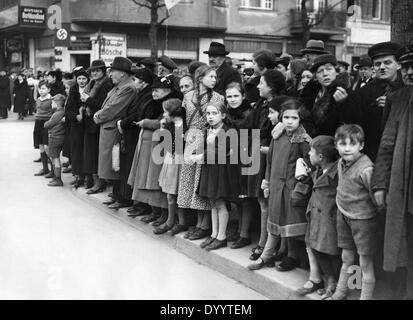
(55, 246)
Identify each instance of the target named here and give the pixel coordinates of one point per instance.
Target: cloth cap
(322, 60)
(383, 49)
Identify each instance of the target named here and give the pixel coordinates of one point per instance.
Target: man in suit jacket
(225, 73)
(114, 109)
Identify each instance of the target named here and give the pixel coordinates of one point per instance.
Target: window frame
(245, 4)
(379, 10)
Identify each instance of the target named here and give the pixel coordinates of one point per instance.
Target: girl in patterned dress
(195, 103)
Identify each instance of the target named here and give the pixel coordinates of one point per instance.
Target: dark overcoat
(393, 172)
(5, 99)
(225, 75)
(140, 108)
(361, 108)
(21, 91)
(91, 135)
(77, 129)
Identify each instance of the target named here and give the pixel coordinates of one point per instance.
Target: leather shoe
(178, 228)
(162, 229)
(200, 234)
(98, 190)
(56, 183)
(241, 243)
(67, 170)
(79, 183)
(216, 244)
(233, 236)
(310, 287)
(256, 266)
(190, 232)
(89, 185)
(160, 221)
(139, 212)
(256, 253)
(41, 173)
(118, 205)
(50, 175)
(207, 242)
(109, 202)
(150, 218)
(287, 264)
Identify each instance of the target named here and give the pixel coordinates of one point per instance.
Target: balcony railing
(333, 22)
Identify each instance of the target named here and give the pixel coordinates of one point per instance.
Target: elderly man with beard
(392, 182)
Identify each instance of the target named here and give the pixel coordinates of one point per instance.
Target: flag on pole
(171, 3)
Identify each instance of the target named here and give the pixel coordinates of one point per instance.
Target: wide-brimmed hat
(145, 75)
(365, 61)
(383, 49)
(122, 64)
(148, 62)
(167, 63)
(322, 60)
(97, 64)
(80, 71)
(343, 63)
(163, 83)
(405, 54)
(216, 49)
(314, 46)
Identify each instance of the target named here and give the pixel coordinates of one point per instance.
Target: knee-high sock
(45, 161)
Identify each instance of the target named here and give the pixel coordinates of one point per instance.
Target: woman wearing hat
(75, 114)
(144, 176)
(140, 108)
(324, 97)
(93, 96)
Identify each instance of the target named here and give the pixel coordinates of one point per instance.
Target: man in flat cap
(365, 106)
(392, 182)
(225, 73)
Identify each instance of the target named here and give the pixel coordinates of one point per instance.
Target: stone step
(231, 263)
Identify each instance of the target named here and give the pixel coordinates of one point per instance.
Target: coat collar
(325, 178)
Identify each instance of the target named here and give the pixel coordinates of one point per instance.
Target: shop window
(258, 4)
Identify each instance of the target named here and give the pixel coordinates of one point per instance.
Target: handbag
(116, 157)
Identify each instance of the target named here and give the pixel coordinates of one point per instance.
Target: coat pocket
(300, 195)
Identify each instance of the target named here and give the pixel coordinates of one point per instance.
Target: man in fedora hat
(365, 106)
(113, 109)
(392, 183)
(313, 49)
(365, 71)
(166, 67)
(225, 73)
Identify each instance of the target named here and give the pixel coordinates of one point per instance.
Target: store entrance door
(78, 60)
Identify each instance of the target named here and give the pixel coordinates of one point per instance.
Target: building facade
(31, 34)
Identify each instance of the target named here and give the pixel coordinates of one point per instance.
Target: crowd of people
(334, 184)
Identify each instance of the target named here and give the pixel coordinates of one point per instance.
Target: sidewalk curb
(231, 263)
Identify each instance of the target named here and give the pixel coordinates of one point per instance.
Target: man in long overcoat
(392, 182)
(114, 109)
(366, 105)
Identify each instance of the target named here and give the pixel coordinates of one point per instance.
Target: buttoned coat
(392, 171)
(113, 109)
(321, 232)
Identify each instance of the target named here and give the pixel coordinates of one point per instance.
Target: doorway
(78, 60)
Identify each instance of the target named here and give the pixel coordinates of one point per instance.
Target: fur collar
(300, 135)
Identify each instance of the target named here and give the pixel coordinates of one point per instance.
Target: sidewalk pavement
(231, 263)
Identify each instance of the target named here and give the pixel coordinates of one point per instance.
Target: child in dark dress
(219, 180)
